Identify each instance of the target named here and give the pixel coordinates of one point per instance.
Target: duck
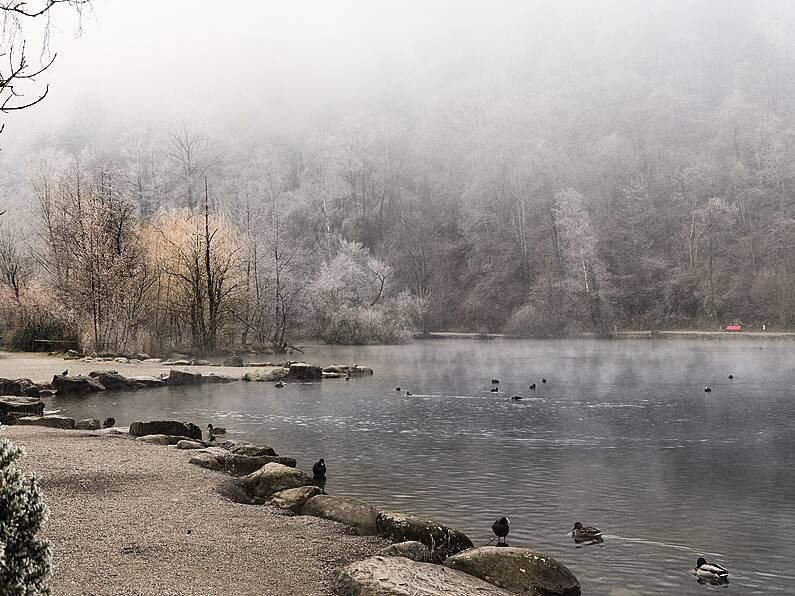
(109, 422)
(65, 373)
(707, 390)
(731, 376)
(582, 533)
(397, 388)
(319, 469)
(533, 386)
(279, 385)
(710, 571)
(495, 381)
(543, 380)
(501, 527)
(516, 397)
(494, 390)
(408, 392)
(348, 377)
(216, 430)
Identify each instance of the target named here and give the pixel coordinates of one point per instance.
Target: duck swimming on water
(582, 533)
(707, 390)
(710, 571)
(279, 385)
(533, 386)
(494, 390)
(516, 397)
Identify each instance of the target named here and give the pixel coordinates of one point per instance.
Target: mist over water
(622, 436)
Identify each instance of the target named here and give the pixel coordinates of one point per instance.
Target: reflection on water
(622, 437)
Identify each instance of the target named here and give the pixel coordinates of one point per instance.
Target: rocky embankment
(425, 557)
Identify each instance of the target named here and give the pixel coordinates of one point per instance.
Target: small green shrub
(24, 559)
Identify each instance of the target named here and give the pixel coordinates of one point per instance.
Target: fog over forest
(254, 174)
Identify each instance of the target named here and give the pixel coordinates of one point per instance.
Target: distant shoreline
(745, 335)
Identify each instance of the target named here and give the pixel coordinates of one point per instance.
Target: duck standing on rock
(711, 572)
(215, 430)
(501, 527)
(319, 469)
(582, 533)
(109, 422)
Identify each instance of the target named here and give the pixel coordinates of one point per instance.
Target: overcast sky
(283, 67)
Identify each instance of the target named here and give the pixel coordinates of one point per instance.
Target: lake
(622, 436)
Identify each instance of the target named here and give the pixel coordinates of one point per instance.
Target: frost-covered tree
(24, 558)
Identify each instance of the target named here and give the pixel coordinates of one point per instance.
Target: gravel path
(120, 513)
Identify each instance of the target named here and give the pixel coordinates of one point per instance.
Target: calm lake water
(622, 436)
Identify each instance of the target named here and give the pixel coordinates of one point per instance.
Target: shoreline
(620, 335)
(120, 511)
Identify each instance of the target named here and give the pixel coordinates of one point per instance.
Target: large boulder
(270, 373)
(213, 378)
(397, 576)
(411, 549)
(440, 539)
(77, 384)
(357, 514)
(161, 439)
(28, 388)
(272, 478)
(302, 371)
(10, 387)
(144, 382)
(110, 379)
(166, 427)
(518, 570)
(348, 369)
(233, 361)
(49, 421)
(250, 449)
(180, 377)
(88, 424)
(13, 407)
(293, 499)
(233, 464)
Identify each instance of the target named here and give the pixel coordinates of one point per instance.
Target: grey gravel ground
(120, 512)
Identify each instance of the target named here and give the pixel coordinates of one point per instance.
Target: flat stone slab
(519, 570)
(48, 421)
(220, 460)
(359, 515)
(272, 478)
(12, 407)
(293, 499)
(396, 576)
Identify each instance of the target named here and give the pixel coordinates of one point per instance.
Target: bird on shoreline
(216, 430)
(109, 422)
(501, 527)
(710, 571)
(582, 533)
(65, 373)
(319, 469)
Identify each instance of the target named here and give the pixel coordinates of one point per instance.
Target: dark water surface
(622, 437)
